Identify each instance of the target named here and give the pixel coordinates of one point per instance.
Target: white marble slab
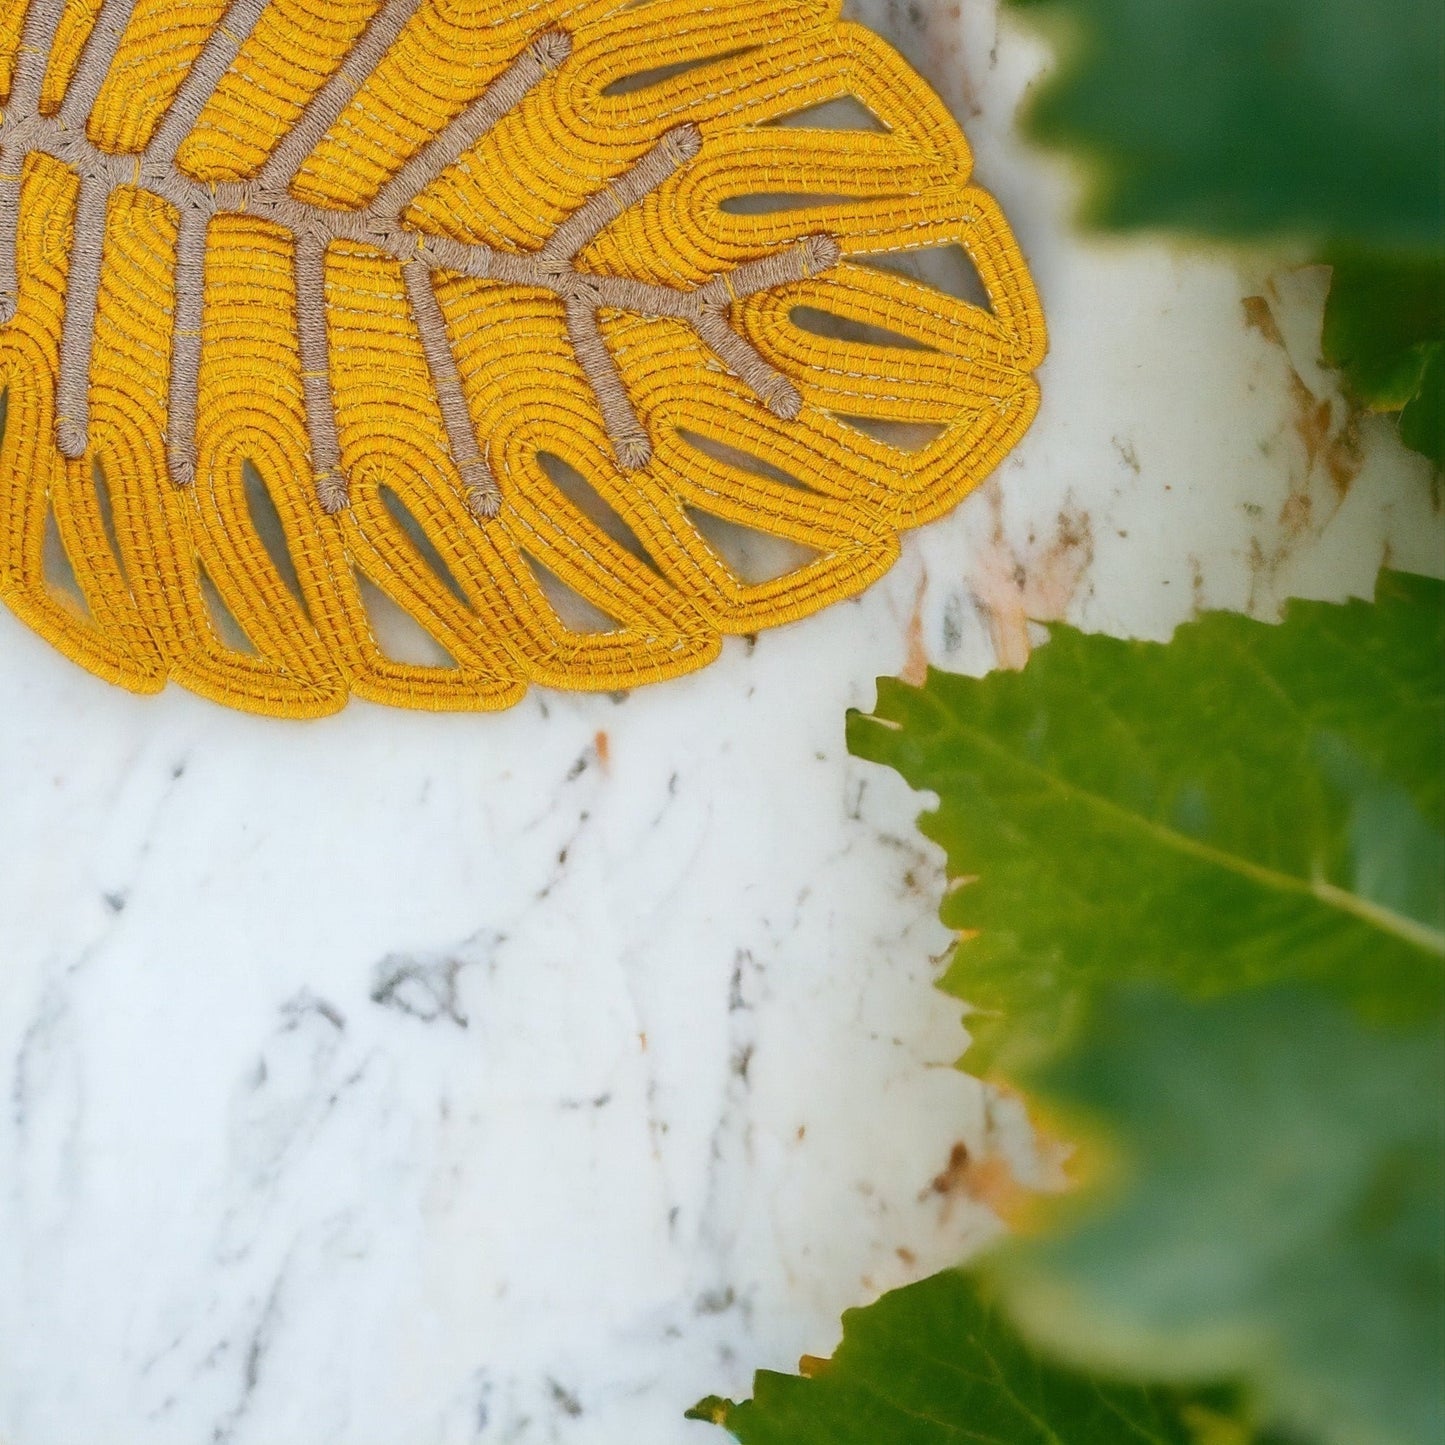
(523, 1078)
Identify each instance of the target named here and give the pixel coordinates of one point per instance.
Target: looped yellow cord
(508, 309)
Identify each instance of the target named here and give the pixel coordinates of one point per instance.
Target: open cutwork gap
(660, 74)
(945, 268)
(735, 456)
(906, 436)
(417, 535)
(270, 532)
(754, 557)
(396, 632)
(573, 610)
(844, 112)
(846, 328)
(227, 628)
(589, 501)
(60, 579)
(772, 203)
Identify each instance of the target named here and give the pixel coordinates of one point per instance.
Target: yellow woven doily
(517, 317)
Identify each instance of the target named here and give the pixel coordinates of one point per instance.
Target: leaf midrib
(1410, 931)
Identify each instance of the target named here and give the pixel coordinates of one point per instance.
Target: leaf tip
(713, 1410)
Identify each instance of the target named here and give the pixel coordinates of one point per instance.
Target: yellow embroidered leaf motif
(423, 349)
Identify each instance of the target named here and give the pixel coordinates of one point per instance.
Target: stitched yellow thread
(418, 263)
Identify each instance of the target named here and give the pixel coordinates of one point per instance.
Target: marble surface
(523, 1078)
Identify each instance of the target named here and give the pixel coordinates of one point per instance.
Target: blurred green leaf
(1385, 329)
(1383, 321)
(1246, 804)
(1275, 1211)
(1317, 119)
(936, 1364)
(1422, 423)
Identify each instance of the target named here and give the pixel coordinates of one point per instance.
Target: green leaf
(1275, 1210)
(1385, 328)
(936, 1364)
(1319, 119)
(1207, 884)
(1384, 318)
(1422, 422)
(1245, 804)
